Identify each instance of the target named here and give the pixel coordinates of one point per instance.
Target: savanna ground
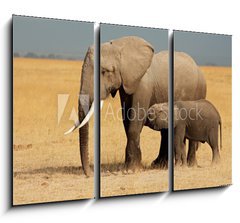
(219, 92)
(46, 164)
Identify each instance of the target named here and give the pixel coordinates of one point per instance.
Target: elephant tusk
(73, 128)
(85, 120)
(87, 117)
(101, 104)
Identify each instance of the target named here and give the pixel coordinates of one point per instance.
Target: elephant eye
(103, 72)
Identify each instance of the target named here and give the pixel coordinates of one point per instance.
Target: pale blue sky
(206, 49)
(70, 39)
(45, 36)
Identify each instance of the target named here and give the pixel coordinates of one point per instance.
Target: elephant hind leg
(183, 155)
(126, 103)
(213, 142)
(162, 159)
(215, 156)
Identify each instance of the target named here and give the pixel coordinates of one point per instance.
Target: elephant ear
(135, 58)
(161, 123)
(163, 115)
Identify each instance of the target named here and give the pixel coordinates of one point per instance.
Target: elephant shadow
(71, 170)
(121, 167)
(66, 170)
(112, 167)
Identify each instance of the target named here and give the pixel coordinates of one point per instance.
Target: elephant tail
(220, 124)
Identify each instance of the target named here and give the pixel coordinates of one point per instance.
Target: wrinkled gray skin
(194, 120)
(129, 65)
(86, 89)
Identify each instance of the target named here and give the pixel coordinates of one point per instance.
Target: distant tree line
(47, 56)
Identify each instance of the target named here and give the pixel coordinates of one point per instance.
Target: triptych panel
(47, 65)
(203, 109)
(130, 59)
(54, 131)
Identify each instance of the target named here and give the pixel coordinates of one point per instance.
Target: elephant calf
(193, 120)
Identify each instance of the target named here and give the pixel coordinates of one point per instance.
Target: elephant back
(189, 81)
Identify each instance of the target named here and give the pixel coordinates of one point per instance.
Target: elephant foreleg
(135, 117)
(133, 153)
(162, 159)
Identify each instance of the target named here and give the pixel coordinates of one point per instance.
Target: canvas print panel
(47, 75)
(202, 110)
(133, 76)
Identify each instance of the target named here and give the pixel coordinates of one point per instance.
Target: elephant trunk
(83, 141)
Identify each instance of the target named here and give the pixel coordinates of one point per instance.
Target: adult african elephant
(129, 65)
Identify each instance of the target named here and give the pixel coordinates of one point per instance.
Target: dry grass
(46, 163)
(219, 85)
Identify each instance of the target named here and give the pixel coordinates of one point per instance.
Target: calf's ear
(162, 123)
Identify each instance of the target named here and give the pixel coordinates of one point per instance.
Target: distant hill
(46, 56)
